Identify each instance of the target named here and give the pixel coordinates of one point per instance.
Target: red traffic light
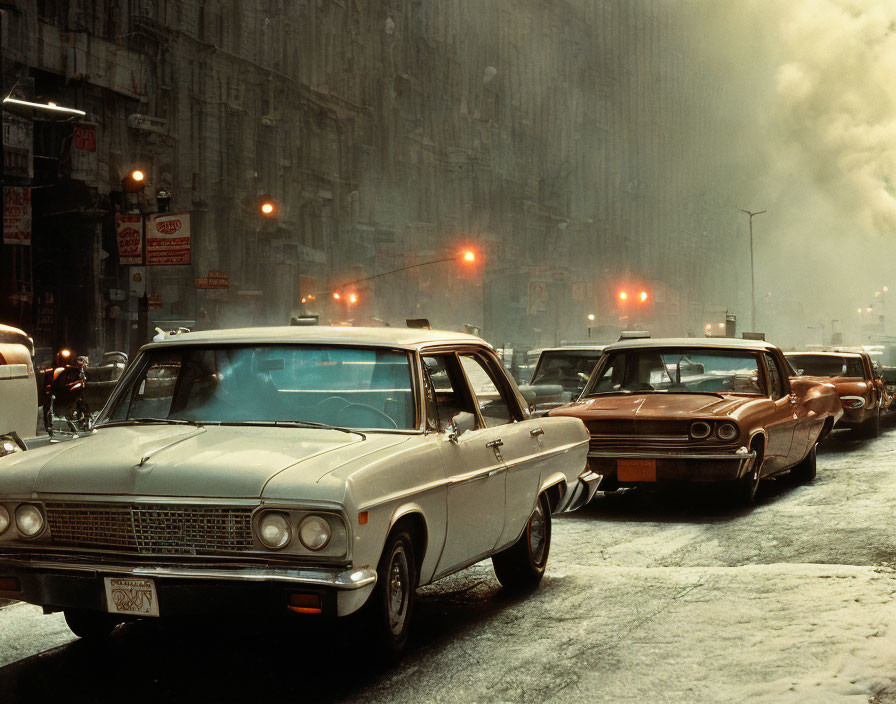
(134, 181)
(266, 206)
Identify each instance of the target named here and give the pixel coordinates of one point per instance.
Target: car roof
(574, 348)
(823, 354)
(405, 338)
(707, 342)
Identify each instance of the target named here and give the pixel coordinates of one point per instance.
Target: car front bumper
(672, 467)
(184, 590)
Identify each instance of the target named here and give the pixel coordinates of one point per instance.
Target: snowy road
(648, 598)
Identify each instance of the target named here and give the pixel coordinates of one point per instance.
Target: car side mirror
(460, 424)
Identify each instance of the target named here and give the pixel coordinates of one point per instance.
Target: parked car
(858, 380)
(561, 373)
(688, 410)
(18, 388)
(303, 469)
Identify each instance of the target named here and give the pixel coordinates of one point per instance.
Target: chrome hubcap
(397, 596)
(537, 532)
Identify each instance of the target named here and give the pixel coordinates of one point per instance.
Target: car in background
(18, 389)
(859, 381)
(720, 411)
(560, 375)
(308, 470)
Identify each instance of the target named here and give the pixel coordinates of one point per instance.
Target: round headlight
(314, 532)
(4, 519)
(726, 431)
(700, 429)
(273, 530)
(29, 520)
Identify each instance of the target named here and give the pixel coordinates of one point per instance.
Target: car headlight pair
(725, 431)
(275, 531)
(29, 520)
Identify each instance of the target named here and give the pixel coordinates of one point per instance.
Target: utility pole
(752, 269)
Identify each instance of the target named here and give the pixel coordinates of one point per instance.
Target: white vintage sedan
(277, 470)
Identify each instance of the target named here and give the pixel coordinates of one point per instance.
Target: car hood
(166, 460)
(653, 406)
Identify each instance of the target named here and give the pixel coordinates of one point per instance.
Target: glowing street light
(336, 296)
(591, 317)
(623, 295)
(643, 296)
(352, 298)
(137, 176)
(469, 256)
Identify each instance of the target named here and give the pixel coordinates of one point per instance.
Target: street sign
(129, 232)
(215, 279)
(168, 239)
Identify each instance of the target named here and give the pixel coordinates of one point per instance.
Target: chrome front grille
(151, 529)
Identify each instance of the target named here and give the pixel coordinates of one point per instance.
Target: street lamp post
(752, 269)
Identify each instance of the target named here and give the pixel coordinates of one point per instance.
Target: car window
(265, 383)
(776, 384)
(492, 405)
(679, 370)
(452, 404)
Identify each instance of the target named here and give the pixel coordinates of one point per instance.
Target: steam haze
(816, 147)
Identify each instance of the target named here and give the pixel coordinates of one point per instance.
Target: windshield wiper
(610, 393)
(711, 393)
(294, 424)
(139, 421)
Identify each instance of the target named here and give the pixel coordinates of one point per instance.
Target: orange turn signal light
(304, 603)
(362, 518)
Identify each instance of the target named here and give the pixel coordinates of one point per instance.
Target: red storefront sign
(168, 239)
(130, 238)
(16, 215)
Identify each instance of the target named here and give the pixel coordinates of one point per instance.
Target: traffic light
(134, 181)
(266, 206)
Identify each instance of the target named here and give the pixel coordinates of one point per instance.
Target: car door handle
(495, 444)
(535, 432)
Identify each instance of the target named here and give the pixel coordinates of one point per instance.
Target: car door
(782, 419)
(475, 471)
(523, 444)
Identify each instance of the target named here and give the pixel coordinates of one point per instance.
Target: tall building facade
(554, 138)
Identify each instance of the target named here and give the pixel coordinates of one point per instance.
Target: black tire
(805, 470)
(744, 490)
(871, 428)
(90, 625)
(521, 566)
(391, 606)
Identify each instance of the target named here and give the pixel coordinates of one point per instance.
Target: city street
(647, 598)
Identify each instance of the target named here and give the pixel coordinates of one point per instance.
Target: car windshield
(349, 387)
(568, 368)
(697, 370)
(826, 365)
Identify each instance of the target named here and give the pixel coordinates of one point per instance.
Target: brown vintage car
(860, 384)
(700, 410)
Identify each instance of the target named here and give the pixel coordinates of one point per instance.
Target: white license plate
(128, 595)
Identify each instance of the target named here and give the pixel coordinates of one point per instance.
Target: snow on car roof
(708, 342)
(409, 338)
